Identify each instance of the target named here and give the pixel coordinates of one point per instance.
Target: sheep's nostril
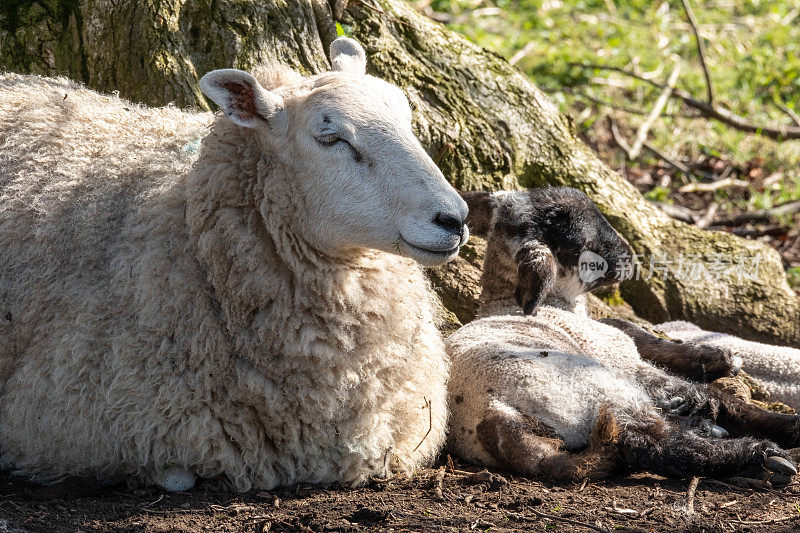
(450, 223)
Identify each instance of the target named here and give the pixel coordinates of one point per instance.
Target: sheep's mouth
(426, 256)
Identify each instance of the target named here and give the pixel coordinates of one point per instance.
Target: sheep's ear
(241, 97)
(348, 56)
(536, 275)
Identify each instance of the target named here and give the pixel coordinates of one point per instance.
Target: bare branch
(705, 221)
(522, 53)
(676, 164)
(684, 214)
(713, 186)
(790, 112)
(773, 131)
(701, 50)
(618, 139)
(761, 215)
(663, 98)
(620, 107)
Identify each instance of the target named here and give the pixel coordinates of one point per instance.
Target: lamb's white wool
(233, 321)
(556, 366)
(776, 367)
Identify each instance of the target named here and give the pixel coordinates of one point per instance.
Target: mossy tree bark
(485, 124)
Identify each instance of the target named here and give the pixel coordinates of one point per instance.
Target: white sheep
(257, 318)
(539, 387)
(777, 368)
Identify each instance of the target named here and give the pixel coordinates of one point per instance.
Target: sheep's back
(94, 267)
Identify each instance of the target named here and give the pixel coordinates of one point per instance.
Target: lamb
(257, 317)
(777, 368)
(540, 388)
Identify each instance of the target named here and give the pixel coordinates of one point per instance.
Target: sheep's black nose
(449, 223)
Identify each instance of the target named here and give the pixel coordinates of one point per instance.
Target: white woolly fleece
(776, 367)
(152, 318)
(557, 366)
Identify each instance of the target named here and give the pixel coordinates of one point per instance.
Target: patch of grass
(793, 274)
(658, 194)
(753, 52)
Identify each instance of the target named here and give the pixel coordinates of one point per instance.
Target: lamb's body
(573, 364)
(157, 317)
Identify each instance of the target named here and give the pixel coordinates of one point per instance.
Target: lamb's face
(364, 177)
(560, 242)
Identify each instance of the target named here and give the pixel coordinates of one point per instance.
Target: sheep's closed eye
(332, 139)
(329, 139)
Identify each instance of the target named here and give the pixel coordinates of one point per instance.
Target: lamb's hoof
(736, 364)
(717, 432)
(678, 406)
(176, 479)
(779, 480)
(780, 465)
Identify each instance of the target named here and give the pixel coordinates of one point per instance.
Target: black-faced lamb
(259, 317)
(540, 388)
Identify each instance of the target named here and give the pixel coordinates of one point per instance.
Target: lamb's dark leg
(654, 445)
(694, 361)
(532, 449)
(740, 418)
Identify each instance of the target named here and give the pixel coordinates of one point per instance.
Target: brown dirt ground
(467, 501)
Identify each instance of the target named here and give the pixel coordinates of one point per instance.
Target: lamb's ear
(348, 56)
(241, 97)
(536, 275)
(481, 207)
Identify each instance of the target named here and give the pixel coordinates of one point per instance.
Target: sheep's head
(364, 178)
(554, 240)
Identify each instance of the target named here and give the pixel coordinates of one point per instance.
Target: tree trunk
(485, 124)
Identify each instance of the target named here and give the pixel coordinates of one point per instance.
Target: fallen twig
(705, 221)
(790, 112)
(690, 492)
(568, 521)
(522, 53)
(761, 215)
(774, 230)
(621, 510)
(713, 186)
(684, 214)
(774, 131)
(438, 483)
(765, 522)
(676, 164)
(701, 50)
(161, 497)
(644, 128)
(430, 423)
(618, 138)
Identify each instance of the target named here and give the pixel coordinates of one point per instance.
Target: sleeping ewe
(257, 318)
(540, 388)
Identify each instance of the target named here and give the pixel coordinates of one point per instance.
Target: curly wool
(776, 367)
(154, 316)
